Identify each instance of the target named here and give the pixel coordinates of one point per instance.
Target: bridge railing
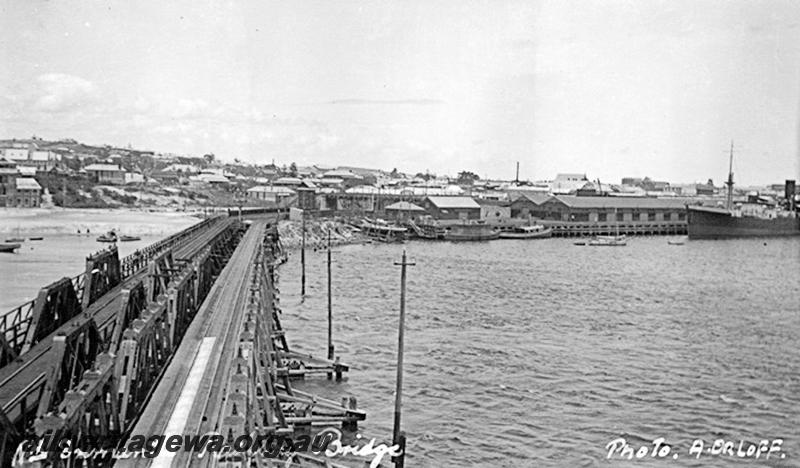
(14, 323)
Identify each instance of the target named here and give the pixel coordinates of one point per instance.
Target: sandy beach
(21, 222)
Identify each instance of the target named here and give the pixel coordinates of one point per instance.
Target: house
(463, 208)
(8, 182)
(611, 209)
(133, 178)
(705, 189)
(276, 194)
(403, 210)
(43, 160)
(527, 203)
(106, 173)
(29, 192)
(16, 154)
(568, 183)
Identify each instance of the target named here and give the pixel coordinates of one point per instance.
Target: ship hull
(704, 223)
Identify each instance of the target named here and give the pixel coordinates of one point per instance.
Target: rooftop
(103, 167)
(27, 183)
(454, 202)
(620, 202)
(404, 206)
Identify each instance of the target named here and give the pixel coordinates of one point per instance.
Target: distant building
(463, 208)
(110, 174)
(28, 192)
(568, 183)
(610, 209)
(133, 178)
(16, 155)
(527, 203)
(403, 210)
(494, 210)
(274, 194)
(705, 189)
(43, 160)
(8, 182)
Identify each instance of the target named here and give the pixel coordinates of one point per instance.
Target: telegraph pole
(303, 260)
(398, 437)
(330, 305)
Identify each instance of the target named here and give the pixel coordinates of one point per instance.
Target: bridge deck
(31, 368)
(191, 391)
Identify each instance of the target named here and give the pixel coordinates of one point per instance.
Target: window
(651, 215)
(681, 216)
(620, 216)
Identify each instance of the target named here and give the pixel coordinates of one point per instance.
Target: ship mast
(729, 183)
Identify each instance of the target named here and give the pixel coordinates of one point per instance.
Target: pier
(183, 337)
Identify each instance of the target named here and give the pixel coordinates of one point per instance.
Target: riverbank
(291, 234)
(21, 222)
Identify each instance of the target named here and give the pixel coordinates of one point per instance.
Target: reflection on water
(539, 353)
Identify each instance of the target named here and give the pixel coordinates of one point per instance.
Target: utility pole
(398, 437)
(330, 306)
(303, 260)
(729, 183)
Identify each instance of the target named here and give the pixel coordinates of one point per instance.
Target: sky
(608, 88)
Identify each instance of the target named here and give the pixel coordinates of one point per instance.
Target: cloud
(59, 92)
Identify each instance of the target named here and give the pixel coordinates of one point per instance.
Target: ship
(751, 219)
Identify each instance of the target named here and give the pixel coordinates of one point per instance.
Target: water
(539, 353)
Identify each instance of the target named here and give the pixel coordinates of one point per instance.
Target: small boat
(580, 243)
(470, 232)
(129, 238)
(8, 247)
(527, 232)
(608, 241)
(675, 242)
(110, 236)
(16, 239)
(35, 238)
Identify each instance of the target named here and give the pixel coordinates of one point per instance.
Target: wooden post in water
(303, 260)
(398, 398)
(330, 304)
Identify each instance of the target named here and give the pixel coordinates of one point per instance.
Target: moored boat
(37, 238)
(527, 232)
(382, 231)
(110, 236)
(470, 232)
(607, 241)
(125, 238)
(16, 239)
(8, 247)
(755, 218)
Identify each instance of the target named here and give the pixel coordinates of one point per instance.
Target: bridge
(182, 337)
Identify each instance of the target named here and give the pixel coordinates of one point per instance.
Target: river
(539, 353)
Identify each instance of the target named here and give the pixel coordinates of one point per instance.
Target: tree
(467, 177)
(293, 170)
(394, 173)
(209, 157)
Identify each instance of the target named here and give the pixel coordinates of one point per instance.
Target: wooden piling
(398, 400)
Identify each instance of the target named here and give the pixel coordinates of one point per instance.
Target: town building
(568, 183)
(403, 210)
(463, 208)
(8, 182)
(527, 203)
(28, 193)
(110, 174)
(609, 209)
(275, 194)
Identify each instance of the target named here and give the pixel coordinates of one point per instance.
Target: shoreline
(49, 221)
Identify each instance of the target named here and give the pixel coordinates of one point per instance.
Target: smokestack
(517, 179)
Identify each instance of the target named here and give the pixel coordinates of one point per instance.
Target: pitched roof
(621, 202)
(272, 189)
(537, 198)
(454, 202)
(27, 183)
(103, 167)
(404, 206)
